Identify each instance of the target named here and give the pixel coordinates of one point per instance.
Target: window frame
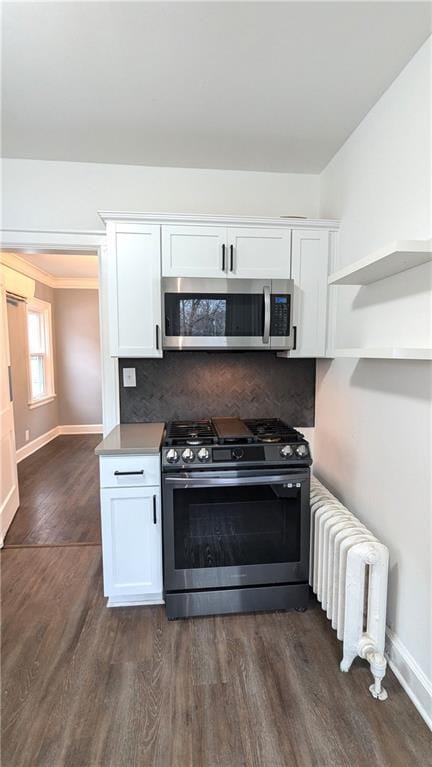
(43, 308)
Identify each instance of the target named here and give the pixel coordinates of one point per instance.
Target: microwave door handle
(267, 315)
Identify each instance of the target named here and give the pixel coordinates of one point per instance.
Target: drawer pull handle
(154, 510)
(127, 473)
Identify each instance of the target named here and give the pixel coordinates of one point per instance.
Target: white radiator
(348, 573)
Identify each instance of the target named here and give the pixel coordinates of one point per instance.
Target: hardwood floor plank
(59, 494)
(87, 686)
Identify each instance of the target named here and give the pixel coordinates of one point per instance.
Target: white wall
(78, 361)
(61, 195)
(373, 417)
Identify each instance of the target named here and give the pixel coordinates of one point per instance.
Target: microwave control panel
(280, 315)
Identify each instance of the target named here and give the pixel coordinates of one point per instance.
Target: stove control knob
(188, 455)
(302, 451)
(203, 455)
(286, 451)
(172, 455)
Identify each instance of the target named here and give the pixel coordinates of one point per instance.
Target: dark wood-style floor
(87, 686)
(59, 494)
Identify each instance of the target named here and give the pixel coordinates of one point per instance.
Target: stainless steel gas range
(235, 516)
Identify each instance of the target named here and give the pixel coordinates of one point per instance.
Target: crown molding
(199, 219)
(76, 283)
(13, 261)
(21, 265)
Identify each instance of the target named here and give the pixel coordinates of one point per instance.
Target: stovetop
(229, 430)
(220, 442)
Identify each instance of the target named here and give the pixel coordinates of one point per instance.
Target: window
(41, 371)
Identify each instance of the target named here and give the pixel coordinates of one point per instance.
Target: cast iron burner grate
(190, 433)
(271, 430)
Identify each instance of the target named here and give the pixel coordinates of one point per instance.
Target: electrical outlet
(27, 435)
(129, 377)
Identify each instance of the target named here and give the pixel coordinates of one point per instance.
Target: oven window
(229, 526)
(214, 314)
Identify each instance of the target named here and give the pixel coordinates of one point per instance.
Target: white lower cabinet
(132, 544)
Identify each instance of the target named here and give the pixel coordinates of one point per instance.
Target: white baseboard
(413, 680)
(136, 600)
(36, 444)
(87, 428)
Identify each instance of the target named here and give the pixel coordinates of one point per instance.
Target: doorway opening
(55, 379)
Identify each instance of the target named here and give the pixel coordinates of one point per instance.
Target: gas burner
(193, 433)
(271, 430)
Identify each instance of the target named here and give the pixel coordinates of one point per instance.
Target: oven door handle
(271, 479)
(267, 314)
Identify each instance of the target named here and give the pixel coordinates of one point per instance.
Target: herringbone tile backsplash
(204, 384)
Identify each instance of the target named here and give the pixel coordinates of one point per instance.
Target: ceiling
(238, 85)
(61, 265)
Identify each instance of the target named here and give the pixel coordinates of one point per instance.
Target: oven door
(226, 314)
(230, 529)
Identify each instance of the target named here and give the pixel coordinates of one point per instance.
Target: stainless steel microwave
(227, 313)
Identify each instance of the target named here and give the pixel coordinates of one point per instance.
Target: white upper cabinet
(194, 251)
(134, 290)
(309, 261)
(259, 253)
(140, 252)
(219, 251)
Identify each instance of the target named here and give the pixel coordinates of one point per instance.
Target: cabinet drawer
(129, 470)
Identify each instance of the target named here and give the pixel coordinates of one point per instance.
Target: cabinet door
(135, 290)
(131, 541)
(194, 251)
(310, 274)
(259, 253)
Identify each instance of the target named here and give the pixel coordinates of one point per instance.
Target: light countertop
(132, 439)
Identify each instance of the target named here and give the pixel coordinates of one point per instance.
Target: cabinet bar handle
(267, 314)
(127, 473)
(157, 337)
(223, 257)
(154, 510)
(231, 258)
(295, 337)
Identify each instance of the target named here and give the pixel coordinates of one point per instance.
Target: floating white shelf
(394, 258)
(386, 353)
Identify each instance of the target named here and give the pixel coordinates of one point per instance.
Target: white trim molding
(412, 678)
(31, 447)
(43, 401)
(14, 261)
(87, 428)
(131, 601)
(78, 241)
(180, 218)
